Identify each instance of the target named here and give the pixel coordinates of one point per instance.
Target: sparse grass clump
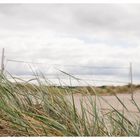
(105, 90)
(38, 110)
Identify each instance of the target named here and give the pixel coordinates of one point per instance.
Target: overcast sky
(71, 34)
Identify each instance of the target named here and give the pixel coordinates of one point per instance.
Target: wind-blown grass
(31, 110)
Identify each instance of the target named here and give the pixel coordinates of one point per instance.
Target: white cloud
(71, 34)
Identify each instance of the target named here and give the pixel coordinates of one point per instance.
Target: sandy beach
(104, 103)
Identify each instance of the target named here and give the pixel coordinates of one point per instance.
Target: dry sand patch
(102, 105)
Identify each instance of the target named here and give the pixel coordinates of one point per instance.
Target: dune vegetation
(41, 110)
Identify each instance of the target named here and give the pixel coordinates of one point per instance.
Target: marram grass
(31, 110)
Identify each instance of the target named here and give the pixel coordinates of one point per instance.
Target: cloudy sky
(72, 34)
